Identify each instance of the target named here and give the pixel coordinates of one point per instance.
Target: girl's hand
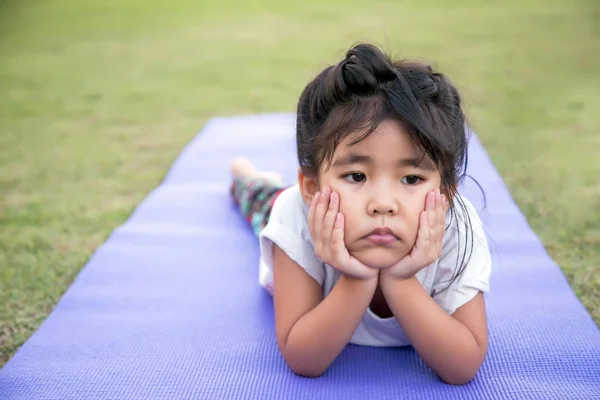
(326, 226)
(430, 237)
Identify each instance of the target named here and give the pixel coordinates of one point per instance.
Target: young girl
(373, 245)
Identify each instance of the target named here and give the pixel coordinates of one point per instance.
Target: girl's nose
(383, 207)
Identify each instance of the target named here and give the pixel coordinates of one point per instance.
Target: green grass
(98, 98)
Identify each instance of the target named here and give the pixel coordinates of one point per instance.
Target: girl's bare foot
(243, 168)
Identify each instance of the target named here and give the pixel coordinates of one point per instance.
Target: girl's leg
(254, 192)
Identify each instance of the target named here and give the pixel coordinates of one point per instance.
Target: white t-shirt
(288, 228)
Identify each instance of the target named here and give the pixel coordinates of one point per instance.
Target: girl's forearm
(444, 343)
(319, 336)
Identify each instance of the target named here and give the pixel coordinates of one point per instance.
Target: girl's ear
(308, 186)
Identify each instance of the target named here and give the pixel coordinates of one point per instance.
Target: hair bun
(428, 87)
(424, 82)
(365, 69)
(443, 91)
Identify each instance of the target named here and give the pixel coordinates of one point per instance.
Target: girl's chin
(378, 258)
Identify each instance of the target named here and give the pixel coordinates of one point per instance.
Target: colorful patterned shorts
(255, 198)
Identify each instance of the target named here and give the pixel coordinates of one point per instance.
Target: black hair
(368, 87)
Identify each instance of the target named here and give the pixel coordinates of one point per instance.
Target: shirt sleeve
(465, 247)
(288, 229)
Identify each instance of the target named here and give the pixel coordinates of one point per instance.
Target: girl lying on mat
(373, 245)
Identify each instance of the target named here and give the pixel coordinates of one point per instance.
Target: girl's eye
(411, 180)
(356, 177)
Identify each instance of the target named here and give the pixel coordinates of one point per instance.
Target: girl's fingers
(438, 211)
(311, 212)
(430, 209)
(320, 209)
(445, 204)
(441, 222)
(338, 247)
(330, 218)
(423, 235)
(442, 209)
(442, 213)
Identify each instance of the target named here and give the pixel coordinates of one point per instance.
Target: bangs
(365, 115)
(358, 115)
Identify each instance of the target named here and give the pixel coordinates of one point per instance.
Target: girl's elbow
(458, 379)
(302, 365)
(460, 376)
(465, 370)
(308, 372)
(304, 369)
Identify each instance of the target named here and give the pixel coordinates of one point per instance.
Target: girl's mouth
(381, 237)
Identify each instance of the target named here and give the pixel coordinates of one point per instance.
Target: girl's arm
(454, 346)
(312, 331)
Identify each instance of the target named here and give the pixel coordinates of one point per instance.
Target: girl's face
(382, 182)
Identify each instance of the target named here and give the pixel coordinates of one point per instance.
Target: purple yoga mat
(170, 308)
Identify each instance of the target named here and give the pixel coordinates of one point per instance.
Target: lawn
(98, 98)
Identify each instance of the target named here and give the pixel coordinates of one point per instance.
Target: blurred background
(98, 98)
